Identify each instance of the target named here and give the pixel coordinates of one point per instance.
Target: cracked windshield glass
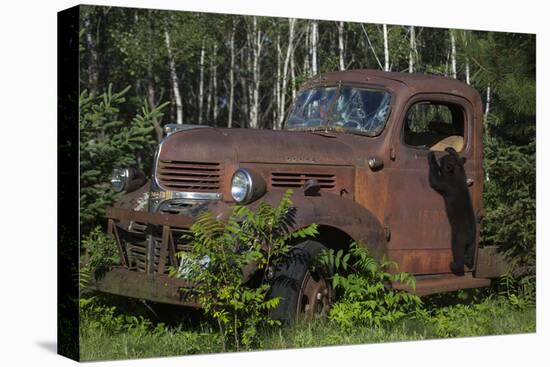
(347, 108)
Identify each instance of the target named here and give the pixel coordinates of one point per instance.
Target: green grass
(104, 335)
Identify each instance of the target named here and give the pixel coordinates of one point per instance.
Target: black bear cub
(449, 179)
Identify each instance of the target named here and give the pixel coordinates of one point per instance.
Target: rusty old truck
(354, 150)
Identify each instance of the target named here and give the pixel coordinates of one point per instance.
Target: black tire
(300, 288)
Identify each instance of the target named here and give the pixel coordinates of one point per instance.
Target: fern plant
(219, 252)
(362, 286)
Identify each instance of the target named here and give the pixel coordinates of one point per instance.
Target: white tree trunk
(467, 61)
(467, 71)
(174, 78)
(209, 98)
(256, 53)
(341, 45)
(244, 83)
(453, 54)
(288, 60)
(487, 103)
(214, 86)
(371, 47)
(277, 85)
(307, 68)
(292, 75)
(201, 83)
(314, 42)
(386, 50)
(231, 76)
(412, 49)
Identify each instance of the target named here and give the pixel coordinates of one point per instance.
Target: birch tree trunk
(174, 78)
(467, 61)
(292, 73)
(371, 48)
(277, 85)
(288, 59)
(231, 76)
(214, 86)
(209, 96)
(467, 70)
(246, 65)
(201, 83)
(453, 54)
(314, 42)
(412, 49)
(386, 50)
(256, 53)
(487, 104)
(341, 45)
(307, 58)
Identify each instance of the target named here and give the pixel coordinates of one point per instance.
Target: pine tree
(106, 143)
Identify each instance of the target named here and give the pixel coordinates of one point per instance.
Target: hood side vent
(297, 180)
(189, 176)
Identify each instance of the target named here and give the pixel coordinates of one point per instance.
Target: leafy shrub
(220, 250)
(100, 254)
(362, 283)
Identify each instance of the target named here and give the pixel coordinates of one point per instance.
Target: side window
(434, 126)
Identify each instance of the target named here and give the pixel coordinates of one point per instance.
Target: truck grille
(144, 251)
(297, 180)
(189, 176)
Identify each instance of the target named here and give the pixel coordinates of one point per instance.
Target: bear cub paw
(457, 269)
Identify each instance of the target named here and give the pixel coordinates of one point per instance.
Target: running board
(440, 283)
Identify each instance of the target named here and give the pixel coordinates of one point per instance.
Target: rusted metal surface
(390, 209)
(315, 296)
(431, 284)
(150, 218)
(158, 288)
(491, 263)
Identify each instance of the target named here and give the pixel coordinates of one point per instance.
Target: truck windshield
(347, 108)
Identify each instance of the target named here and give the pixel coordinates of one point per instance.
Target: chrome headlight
(128, 179)
(119, 178)
(246, 186)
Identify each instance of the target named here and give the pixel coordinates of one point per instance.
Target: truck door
(420, 238)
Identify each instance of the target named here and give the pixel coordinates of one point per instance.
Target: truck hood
(256, 146)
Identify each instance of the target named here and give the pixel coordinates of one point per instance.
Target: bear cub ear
(451, 150)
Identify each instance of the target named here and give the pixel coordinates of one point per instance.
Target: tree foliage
(106, 142)
(509, 144)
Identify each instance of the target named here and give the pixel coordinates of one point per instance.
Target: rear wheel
(304, 292)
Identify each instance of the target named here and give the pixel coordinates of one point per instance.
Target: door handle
(469, 181)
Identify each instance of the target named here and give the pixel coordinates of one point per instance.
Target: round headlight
(119, 179)
(247, 185)
(241, 185)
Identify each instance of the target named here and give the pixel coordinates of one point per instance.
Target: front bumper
(151, 287)
(146, 256)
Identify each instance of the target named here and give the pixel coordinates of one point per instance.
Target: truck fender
(332, 210)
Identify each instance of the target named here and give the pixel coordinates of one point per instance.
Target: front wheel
(304, 292)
